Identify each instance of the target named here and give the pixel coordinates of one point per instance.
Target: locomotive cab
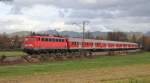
(31, 43)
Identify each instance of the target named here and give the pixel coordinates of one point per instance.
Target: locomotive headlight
(28, 45)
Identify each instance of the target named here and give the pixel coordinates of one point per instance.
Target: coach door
(80, 45)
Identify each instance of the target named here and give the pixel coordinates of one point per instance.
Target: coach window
(56, 40)
(49, 40)
(62, 40)
(59, 40)
(45, 39)
(53, 40)
(77, 43)
(96, 44)
(42, 39)
(74, 43)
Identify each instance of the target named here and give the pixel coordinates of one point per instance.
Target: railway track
(12, 60)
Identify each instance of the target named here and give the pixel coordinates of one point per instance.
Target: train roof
(80, 39)
(44, 37)
(96, 41)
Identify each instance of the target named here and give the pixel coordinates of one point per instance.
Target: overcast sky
(103, 15)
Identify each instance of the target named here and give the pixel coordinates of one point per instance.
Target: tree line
(10, 43)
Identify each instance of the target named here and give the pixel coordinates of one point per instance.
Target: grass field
(133, 68)
(12, 53)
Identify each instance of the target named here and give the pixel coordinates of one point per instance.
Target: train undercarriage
(73, 52)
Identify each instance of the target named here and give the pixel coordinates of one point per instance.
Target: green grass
(12, 53)
(99, 62)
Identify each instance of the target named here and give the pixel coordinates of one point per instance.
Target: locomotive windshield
(30, 39)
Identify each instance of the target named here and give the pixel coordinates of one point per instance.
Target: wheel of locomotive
(69, 55)
(53, 56)
(66, 53)
(63, 55)
(58, 55)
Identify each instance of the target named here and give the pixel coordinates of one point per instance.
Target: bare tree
(88, 35)
(117, 36)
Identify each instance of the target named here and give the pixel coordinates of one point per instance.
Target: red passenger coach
(77, 43)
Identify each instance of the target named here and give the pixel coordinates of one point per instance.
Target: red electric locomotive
(38, 44)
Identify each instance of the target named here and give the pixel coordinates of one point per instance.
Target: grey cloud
(127, 7)
(114, 13)
(90, 14)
